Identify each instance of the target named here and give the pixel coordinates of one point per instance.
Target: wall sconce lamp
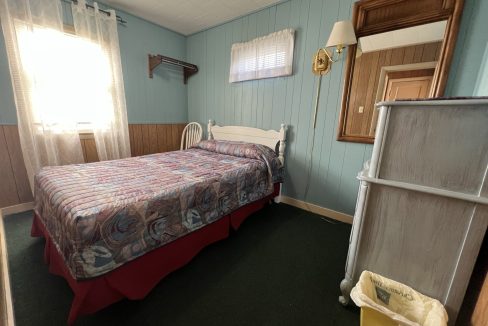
(341, 36)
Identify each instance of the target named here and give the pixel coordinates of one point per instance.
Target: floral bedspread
(102, 215)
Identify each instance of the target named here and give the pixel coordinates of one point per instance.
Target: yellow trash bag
(400, 303)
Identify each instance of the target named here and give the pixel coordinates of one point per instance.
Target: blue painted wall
(482, 82)
(267, 103)
(162, 99)
(466, 70)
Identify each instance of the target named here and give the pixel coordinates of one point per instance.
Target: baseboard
(17, 208)
(5, 295)
(335, 215)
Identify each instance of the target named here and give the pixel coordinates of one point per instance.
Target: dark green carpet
(282, 267)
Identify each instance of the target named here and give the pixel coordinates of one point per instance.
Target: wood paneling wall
(474, 311)
(14, 185)
(267, 103)
(366, 79)
(155, 138)
(89, 148)
(480, 311)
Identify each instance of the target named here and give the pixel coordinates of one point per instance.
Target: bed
(114, 229)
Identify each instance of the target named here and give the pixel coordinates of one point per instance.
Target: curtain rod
(119, 19)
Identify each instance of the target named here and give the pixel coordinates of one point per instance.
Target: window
(69, 80)
(264, 57)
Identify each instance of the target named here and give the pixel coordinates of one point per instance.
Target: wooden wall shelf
(155, 60)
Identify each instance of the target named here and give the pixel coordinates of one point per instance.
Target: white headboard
(250, 135)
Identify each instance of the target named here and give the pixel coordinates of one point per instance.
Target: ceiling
(190, 16)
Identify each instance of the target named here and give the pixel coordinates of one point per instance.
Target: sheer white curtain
(111, 131)
(263, 57)
(43, 141)
(64, 83)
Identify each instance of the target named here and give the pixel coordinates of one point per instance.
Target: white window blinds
(263, 57)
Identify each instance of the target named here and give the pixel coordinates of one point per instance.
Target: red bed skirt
(136, 279)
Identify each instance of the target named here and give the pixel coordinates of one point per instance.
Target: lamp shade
(342, 34)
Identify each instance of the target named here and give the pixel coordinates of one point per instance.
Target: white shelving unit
(422, 207)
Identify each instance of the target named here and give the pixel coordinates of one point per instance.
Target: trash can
(385, 302)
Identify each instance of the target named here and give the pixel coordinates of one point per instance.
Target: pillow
(247, 150)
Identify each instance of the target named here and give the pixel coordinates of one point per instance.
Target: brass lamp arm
(330, 56)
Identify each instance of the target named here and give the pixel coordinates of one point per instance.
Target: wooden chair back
(192, 134)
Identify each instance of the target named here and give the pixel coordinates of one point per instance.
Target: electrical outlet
(361, 109)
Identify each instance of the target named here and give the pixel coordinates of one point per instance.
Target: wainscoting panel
(155, 138)
(89, 148)
(14, 185)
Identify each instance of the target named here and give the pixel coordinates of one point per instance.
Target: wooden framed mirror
(404, 50)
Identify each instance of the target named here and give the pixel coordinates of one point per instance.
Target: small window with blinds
(264, 57)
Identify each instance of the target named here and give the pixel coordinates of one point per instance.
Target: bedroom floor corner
(283, 267)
